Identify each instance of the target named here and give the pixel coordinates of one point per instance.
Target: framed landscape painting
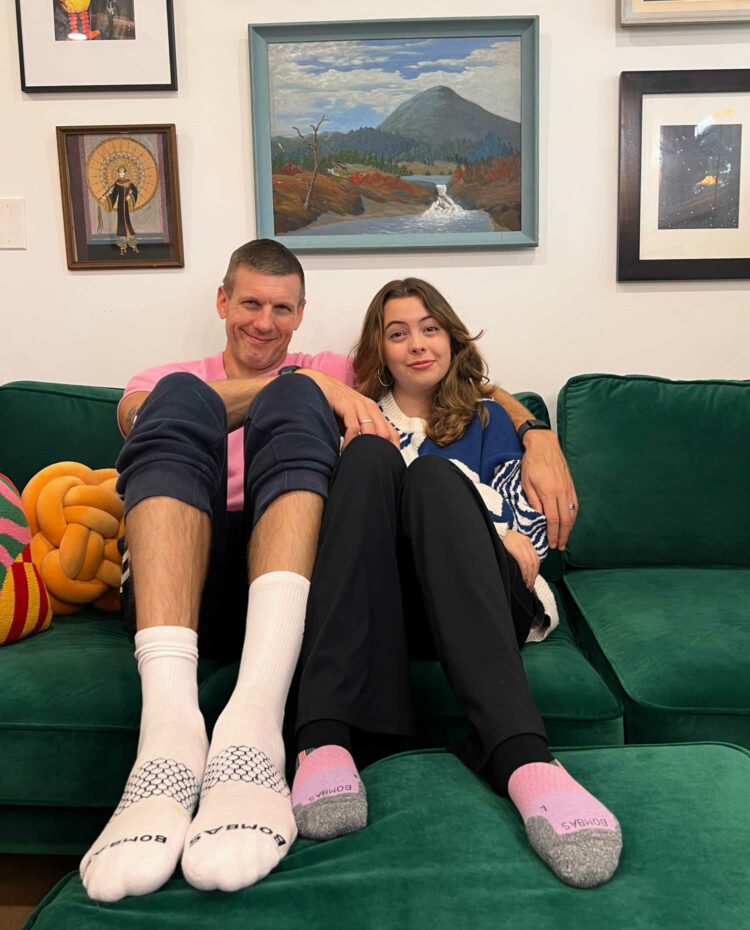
(684, 194)
(396, 134)
(653, 12)
(120, 196)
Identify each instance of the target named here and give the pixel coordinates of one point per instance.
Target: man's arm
(355, 412)
(545, 476)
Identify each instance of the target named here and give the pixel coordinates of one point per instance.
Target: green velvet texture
(42, 423)
(442, 852)
(70, 713)
(675, 644)
(661, 470)
(52, 831)
(577, 706)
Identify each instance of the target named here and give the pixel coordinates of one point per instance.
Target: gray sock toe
(333, 816)
(584, 859)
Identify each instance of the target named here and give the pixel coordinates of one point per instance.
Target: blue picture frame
(488, 40)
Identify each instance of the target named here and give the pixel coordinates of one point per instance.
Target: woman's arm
(545, 475)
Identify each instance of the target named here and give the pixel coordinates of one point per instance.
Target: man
(196, 489)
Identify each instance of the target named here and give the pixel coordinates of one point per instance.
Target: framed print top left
(96, 45)
(120, 196)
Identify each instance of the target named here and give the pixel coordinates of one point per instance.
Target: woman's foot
(578, 838)
(328, 797)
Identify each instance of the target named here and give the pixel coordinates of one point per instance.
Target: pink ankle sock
(568, 827)
(328, 797)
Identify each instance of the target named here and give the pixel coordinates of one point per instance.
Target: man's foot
(328, 796)
(244, 825)
(578, 838)
(140, 847)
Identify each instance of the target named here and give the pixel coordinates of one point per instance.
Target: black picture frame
(49, 65)
(631, 264)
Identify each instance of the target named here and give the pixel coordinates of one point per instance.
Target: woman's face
(416, 348)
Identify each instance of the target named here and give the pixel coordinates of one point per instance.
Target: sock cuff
(536, 778)
(162, 642)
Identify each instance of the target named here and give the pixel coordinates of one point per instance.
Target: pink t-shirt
(212, 369)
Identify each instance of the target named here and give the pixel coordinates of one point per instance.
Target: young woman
(434, 552)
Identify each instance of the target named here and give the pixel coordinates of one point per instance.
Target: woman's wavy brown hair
(459, 395)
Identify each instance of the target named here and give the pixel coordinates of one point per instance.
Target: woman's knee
(367, 454)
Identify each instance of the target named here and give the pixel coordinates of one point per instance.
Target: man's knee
(291, 396)
(181, 391)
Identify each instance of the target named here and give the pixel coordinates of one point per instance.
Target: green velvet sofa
(70, 703)
(657, 572)
(441, 851)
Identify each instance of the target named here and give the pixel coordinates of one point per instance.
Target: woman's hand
(522, 550)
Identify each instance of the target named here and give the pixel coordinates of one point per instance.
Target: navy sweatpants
(178, 449)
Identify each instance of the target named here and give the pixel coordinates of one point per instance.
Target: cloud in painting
(360, 83)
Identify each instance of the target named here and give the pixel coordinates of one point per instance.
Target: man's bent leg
(245, 823)
(168, 543)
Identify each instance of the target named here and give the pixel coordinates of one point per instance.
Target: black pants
(410, 566)
(178, 449)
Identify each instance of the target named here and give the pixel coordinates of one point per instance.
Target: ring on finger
(364, 421)
(571, 506)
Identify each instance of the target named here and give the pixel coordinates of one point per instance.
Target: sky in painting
(360, 83)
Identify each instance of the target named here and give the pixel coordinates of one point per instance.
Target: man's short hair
(266, 256)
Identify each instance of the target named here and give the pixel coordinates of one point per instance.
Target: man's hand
(546, 481)
(355, 412)
(523, 551)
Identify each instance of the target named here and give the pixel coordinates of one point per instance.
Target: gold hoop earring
(384, 383)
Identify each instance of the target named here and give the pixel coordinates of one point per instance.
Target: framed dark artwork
(654, 12)
(396, 134)
(684, 190)
(120, 196)
(96, 45)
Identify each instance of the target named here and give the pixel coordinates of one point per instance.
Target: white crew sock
(139, 848)
(245, 825)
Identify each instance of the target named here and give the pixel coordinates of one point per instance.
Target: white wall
(549, 313)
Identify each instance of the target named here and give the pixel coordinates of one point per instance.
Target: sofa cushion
(41, 423)
(441, 851)
(661, 470)
(675, 643)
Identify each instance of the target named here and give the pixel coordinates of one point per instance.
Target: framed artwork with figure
(396, 134)
(120, 196)
(684, 191)
(96, 45)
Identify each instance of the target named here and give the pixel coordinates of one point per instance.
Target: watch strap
(531, 424)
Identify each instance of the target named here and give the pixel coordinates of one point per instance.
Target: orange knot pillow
(75, 516)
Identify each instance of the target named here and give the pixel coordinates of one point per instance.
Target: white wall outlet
(12, 223)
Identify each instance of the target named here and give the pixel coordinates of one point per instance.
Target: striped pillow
(24, 605)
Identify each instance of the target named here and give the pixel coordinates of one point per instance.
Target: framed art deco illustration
(96, 45)
(120, 196)
(684, 191)
(396, 134)
(653, 12)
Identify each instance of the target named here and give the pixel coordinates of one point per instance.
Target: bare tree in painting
(313, 145)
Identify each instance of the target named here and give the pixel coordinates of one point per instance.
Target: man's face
(260, 318)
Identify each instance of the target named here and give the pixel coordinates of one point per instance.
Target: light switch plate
(12, 223)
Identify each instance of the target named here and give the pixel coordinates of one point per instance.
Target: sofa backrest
(42, 423)
(661, 468)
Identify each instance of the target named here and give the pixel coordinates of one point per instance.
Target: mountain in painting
(440, 113)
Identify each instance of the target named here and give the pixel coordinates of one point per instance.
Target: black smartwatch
(531, 424)
(289, 369)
